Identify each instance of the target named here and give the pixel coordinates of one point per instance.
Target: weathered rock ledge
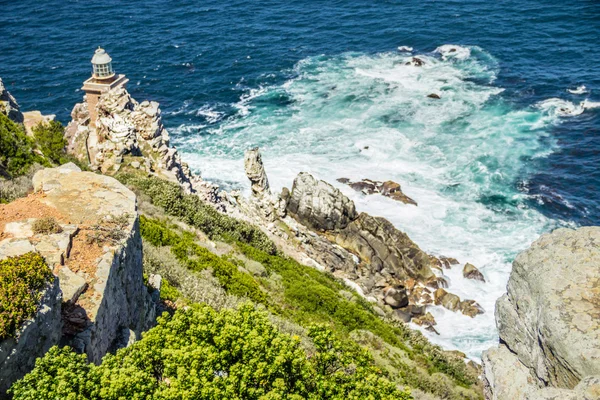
(98, 300)
(549, 322)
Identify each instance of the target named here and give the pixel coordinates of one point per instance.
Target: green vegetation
(46, 225)
(50, 139)
(21, 282)
(16, 149)
(200, 353)
(197, 258)
(193, 211)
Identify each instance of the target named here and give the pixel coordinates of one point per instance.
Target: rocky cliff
(8, 104)
(549, 322)
(95, 251)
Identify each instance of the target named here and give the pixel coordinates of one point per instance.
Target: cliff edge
(549, 322)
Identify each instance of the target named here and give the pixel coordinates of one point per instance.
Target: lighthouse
(102, 80)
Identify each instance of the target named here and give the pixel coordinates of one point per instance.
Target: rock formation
(548, 322)
(97, 258)
(471, 272)
(128, 128)
(319, 205)
(389, 189)
(8, 104)
(255, 171)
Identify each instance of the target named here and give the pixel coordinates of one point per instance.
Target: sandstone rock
(470, 308)
(425, 320)
(255, 171)
(8, 104)
(447, 300)
(319, 205)
(385, 248)
(71, 284)
(471, 272)
(116, 297)
(396, 297)
(548, 321)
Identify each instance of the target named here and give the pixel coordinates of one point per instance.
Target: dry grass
(46, 225)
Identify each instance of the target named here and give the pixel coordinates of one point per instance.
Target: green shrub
(46, 225)
(49, 137)
(193, 211)
(168, 292)
(203, 354)
(16, 149)
(22, 279)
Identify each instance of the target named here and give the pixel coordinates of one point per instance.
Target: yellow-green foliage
(168, 292)
(46, 225)
(198, 258)
(50, 140)
(203, 354)
(193, 211)
(22, 279)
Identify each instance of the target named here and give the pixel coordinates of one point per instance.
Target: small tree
(51, 141)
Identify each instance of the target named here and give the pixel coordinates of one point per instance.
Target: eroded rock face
(114, 297)
(319, 205)
(128, 128)
(388, 251)
(33, 340)
(8, 104)
(549, 321)
(255, 171)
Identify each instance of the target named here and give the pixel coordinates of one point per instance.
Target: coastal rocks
(548, 321)
(8, 104)
(255, 171)
(319, 205)
(127, 128)
(389, 189)
(434, 96)
(415, 62)
(388, 251)
(396, 297)
(453, 303)
(471, 272)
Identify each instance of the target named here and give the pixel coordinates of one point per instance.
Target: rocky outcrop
(34, 338)
(389, 189)
(126, 128)
(255, 171)
(114, 298)
(8, 104)
(549, 321)
(319, 205)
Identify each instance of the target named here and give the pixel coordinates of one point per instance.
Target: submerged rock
(548, 321)
(389, 189)
(471, 272)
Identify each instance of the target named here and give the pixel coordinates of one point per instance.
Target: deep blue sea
(505, 154)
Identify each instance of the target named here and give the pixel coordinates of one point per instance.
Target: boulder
(549, 320)
(447, 300)
(319, 205)
(434, 96)
(389, 189)
(396, 297)
(471, 272)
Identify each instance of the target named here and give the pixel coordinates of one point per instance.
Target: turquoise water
(505, 155)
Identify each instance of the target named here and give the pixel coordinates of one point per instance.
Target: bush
(51, 141)
(200, 353)
(22, 280)
(193, 211)
(16, 149)
(46, 225)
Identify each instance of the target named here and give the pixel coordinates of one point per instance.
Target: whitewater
(464, 157)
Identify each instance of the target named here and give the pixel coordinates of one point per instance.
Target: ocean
(505, 154)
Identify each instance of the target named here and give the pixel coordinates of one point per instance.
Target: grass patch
(195, 212)
(22, 279)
